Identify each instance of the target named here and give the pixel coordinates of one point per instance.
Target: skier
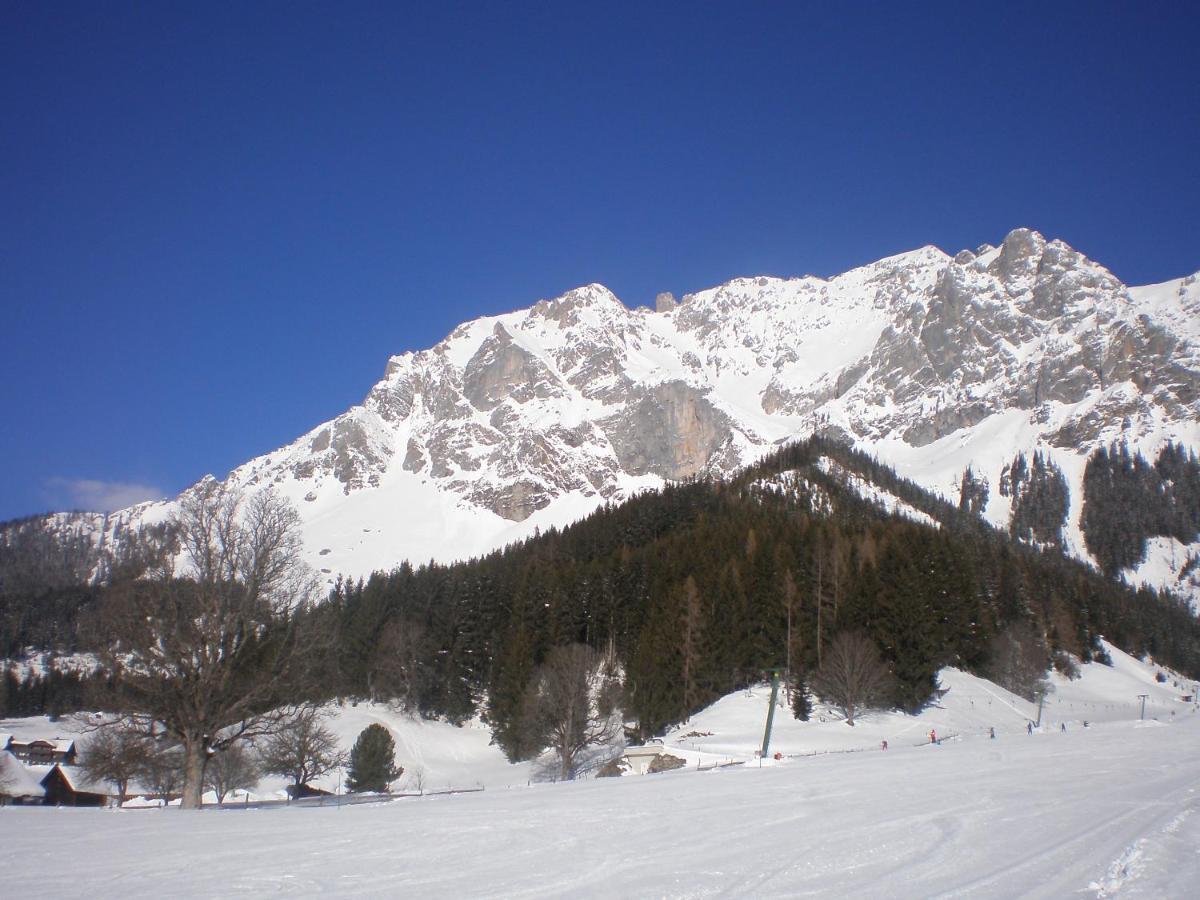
(883, 745)
(1029, 728)
(1064, 727)
(932, 736)
(992, 732)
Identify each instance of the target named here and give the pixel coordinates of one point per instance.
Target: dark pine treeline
(53, 693)
(1041, 499)
(52, 572)
(46, 585)
(703, 586)
(44, 582)
(1127, 500)
(698, 589)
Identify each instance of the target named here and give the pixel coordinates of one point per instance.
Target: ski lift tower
(770, 712)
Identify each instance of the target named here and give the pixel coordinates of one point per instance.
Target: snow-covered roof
(16, 780)
(77, 780)
(59, 745)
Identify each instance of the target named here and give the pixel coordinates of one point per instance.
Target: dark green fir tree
(373, 761)
(801, 704)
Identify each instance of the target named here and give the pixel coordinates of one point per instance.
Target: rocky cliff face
(533, 418)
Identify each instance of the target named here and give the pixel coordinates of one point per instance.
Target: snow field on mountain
(1175, 302)
(1165, 557)
(873, 494)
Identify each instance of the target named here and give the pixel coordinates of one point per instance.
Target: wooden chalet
(42, 751)
(68, 786)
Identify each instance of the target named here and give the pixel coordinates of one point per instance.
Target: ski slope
(1103, 811)
(732, 728)
(1106, 810)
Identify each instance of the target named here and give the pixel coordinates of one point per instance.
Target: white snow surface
(1164, 561)
(1107, 810)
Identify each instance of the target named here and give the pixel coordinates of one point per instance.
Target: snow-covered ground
(1106, 810)
(436, 756)
(1094, 812)
(969, 707)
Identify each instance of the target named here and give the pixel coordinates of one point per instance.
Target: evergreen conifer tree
(801, 704)
(373, 761)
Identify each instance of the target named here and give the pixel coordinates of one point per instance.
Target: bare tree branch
(852, 675)
(208, 644)
(570, 704)
(301, 749)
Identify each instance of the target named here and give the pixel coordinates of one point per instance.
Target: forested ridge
(699, 587)
(702, 587)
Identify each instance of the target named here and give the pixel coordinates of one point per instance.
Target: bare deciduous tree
(161, 772)
(571, 704)
(791, 601)
(416, 779)
(852, 676)
(302, 749)
(1018, 660)
(232, 769)
(117, 755)
(691, 628)
(207, 643)
(397, 665)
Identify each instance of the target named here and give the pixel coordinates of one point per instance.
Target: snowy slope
(969, 707)
(442, 755)
(521, 421)
(732, 728)
(1110, 810)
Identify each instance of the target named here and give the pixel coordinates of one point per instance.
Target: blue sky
(219, 220)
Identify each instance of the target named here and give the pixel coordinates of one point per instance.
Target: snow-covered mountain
(531, 419)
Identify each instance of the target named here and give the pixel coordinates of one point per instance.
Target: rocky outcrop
(670, 430)
(502, 370)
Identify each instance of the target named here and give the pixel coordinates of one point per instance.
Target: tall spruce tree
(801, 703)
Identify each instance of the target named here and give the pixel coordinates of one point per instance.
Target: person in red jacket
(932, 736)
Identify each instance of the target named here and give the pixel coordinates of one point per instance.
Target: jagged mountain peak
(533, 417)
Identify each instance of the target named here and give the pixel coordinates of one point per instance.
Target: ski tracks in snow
(1146, 853)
